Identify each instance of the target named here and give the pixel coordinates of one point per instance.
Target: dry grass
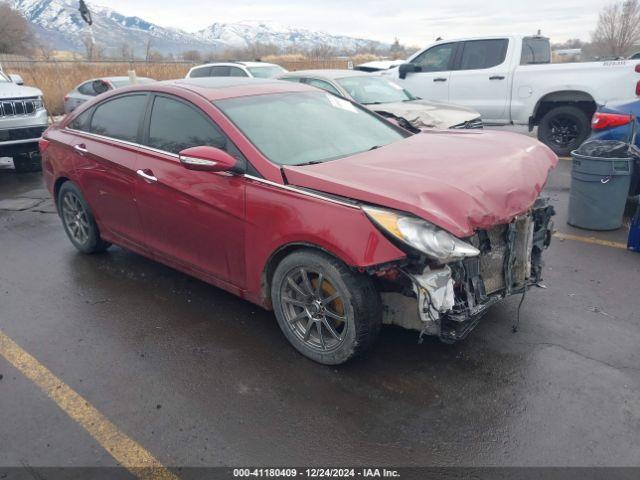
(56, 79)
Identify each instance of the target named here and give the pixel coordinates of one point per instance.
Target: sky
(413, 22)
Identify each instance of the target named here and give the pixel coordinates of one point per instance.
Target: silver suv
(23, 118)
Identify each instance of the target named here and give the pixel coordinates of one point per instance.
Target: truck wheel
(27, 162)
(563, 129)
(78, 220)
(329, 313)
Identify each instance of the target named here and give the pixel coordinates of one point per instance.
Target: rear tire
(78, 221)
(333, 315)
(563, 129)
(27, 162)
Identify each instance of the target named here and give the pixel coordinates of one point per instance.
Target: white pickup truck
(510, 80)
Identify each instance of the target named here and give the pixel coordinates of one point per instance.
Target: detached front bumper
(452, 298)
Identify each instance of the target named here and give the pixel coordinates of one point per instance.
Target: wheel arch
(57, 185)
(277, 256)
(577, 98)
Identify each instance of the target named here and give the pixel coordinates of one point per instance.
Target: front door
(192, 219)
(431, 82)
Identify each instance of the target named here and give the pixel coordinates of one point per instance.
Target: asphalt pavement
(194, 376)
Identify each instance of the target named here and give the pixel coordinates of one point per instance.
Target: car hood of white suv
(11, 90)
(427, 114)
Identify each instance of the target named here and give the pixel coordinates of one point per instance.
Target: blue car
(619, 121)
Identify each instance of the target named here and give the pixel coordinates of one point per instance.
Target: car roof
(113, 79)
(219, 88)
(232, 63)
(328, 74)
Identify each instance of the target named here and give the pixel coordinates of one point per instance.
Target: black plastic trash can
(600, 181)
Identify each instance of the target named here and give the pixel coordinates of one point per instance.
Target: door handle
(440, 79)
(497, 77)
(81, 148)
(147, 176)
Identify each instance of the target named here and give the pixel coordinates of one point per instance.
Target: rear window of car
(535, 51)
(119, 117)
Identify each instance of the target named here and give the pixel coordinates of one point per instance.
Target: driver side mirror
(207, 159)
(406, 68)
(15, 78)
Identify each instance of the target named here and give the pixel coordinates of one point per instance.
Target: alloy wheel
(314, 309)
(564, 130)
(75, 218)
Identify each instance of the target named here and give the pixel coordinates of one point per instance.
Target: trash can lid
(603, 149)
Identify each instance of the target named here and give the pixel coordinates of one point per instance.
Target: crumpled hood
(460, 180)
(11, 90)
(425, 114)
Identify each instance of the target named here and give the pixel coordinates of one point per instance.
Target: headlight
(434, 242)
(38, 103)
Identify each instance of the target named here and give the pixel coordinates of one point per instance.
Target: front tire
(563, 129)
(328, 312)
(78, 221)
(27, 162)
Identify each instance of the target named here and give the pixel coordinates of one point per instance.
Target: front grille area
(495, 251)
(26, 133)
(475, 123)
(18, 106)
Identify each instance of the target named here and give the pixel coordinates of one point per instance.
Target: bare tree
(16, 35)
(92, 50)
(192, 56)
(618, 28)
(147, 49)
(46, 51)
(126, 52)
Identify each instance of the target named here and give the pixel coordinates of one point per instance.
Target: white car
(236, 69)
(510, 80)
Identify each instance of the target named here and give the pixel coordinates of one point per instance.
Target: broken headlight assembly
(434, 242)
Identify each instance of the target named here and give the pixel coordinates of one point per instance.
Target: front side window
(535, 51)
(307, 127)
(436, 59)
(369, 90)
(270, 71)
(120, 117)
(479, 54)
(174, 126)
(323, 85)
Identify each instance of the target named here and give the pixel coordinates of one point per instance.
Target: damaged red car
(307, 204)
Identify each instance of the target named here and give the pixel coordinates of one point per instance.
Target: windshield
(307, 127)
(370, 89)
(4, 78)
(266, 72)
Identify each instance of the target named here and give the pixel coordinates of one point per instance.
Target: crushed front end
(453, 296)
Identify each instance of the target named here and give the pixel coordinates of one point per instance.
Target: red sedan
(305, 203)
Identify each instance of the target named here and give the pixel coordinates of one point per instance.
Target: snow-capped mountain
(58, 24)
(243, 34)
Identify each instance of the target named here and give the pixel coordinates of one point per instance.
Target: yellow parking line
(592, 240)
(127, 452)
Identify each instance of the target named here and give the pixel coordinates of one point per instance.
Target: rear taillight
(602, 120)
(66, 97)
(638, 67)
(43, 144)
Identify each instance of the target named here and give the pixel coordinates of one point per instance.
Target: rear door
(481, 79)
(431, 82)
(105, 157)
(192, 219)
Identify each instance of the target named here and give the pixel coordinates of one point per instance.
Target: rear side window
(479, 54)
(119, 118)
(237, 72)
(174, 126)
(219, 71)
(200, 72)
(535, 51)
(87, 89)
(436, 59)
